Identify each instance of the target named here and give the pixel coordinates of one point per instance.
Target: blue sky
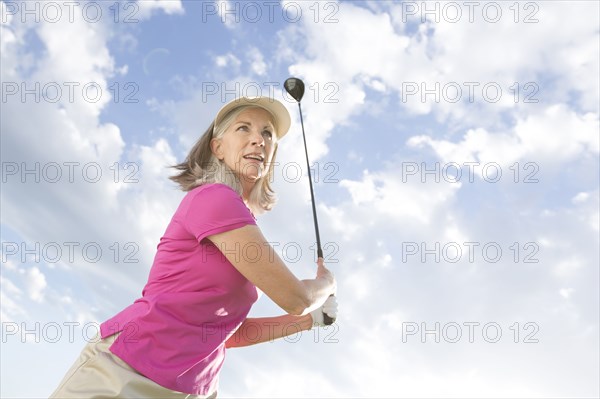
(415, 253)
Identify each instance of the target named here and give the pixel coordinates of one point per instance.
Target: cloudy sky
(455, 157)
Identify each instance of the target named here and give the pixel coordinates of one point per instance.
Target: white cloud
(451, 54)
(224, 9)
(568, 267)
(169, 7)
(9, 265)
(385, 194)
(7, 37)
(566, 292)
(227, 61)
(71, 132)
(86, 42)
(359, 283)
(10, 296)
(158, 197)
(354, 156)
(587, 209)
(580, 198)
(36, 284)
(262, 384)
(385, 261)
(554, 135)
(257, 62)
(340, 221)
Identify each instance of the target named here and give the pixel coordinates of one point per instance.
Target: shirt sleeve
(213, 209)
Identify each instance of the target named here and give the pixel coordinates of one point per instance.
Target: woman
(209, 266)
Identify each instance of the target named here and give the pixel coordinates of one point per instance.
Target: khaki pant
(98, 374)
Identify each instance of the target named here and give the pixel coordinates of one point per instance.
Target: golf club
(295, 88)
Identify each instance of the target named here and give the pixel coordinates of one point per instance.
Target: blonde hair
(201, 166)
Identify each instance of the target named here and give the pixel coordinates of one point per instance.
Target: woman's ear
(215, 147)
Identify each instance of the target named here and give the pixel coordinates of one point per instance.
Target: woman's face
(247, 145)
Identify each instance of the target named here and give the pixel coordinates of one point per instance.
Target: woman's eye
(242, 127)
(268, 134)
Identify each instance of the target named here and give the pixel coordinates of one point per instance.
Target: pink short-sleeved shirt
(194, 298)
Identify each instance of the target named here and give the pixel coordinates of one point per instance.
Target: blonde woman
(210, 264)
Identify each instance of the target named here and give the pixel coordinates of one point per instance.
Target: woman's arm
(264, 329)
(252, 255)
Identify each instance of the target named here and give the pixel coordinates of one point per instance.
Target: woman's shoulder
(212, 192)
(215, 199)
(212, 188)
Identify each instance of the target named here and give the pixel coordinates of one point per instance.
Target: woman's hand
(326, 274)
(330, 307)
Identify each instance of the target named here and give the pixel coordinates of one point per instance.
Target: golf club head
(295, 87)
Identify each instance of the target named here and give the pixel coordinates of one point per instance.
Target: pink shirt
(194, 299)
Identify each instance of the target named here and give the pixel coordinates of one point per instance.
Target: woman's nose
(257, 138)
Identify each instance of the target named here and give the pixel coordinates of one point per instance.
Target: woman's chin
(253, 174)
(251, 178)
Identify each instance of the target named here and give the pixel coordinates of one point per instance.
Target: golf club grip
(328, 320)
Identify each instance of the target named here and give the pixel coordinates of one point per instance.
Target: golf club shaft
(312, 195)
(326, 319)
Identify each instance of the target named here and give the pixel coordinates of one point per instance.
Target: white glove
(330, 306)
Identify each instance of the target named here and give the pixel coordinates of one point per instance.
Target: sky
(454, 151)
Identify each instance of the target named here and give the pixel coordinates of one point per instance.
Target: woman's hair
(201, 166)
